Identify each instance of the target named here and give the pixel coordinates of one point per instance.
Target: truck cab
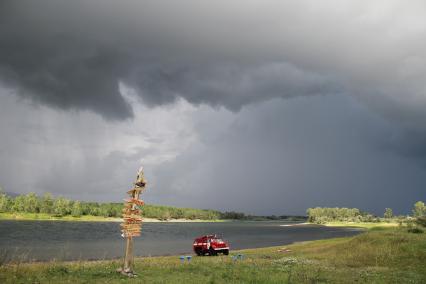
(211, 245)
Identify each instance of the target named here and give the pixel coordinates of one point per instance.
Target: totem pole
(132, 222)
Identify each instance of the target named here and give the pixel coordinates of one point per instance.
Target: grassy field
(380, 255)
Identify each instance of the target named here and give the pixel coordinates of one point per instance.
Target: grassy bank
(380, 255)
(365, 225)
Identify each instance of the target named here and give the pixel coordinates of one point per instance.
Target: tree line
(320, 215)
(60, 206)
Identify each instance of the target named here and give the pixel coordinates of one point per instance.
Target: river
(48, 240)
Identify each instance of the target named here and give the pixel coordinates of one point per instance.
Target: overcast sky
(264, 107)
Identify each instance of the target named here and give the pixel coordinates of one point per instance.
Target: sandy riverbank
(46, 217)
(297, 224)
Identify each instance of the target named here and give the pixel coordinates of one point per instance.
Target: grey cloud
(74, 54)
(65, 76)
(230, 85)
(70, 71)
(287, 156)
(409, 143)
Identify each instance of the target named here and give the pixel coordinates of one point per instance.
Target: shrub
(61, 207)
(419, 209)
(76, 209)
(415, 230)
(388, 213)
(421, 221)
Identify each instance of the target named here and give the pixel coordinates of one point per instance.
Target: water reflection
(46, 240)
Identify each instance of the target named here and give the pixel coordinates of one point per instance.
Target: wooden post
(128, 258)
(131, 226)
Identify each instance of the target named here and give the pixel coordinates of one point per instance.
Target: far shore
(85, 218)
(89, 218)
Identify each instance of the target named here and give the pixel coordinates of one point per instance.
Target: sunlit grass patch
(366, 225)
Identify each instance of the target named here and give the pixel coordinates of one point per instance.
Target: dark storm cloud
(74, 54)
(230, 85)
(410, 143)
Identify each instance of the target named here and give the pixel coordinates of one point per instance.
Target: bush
(61, 207)
(415, 230)
(421, 221)
(419, 209)
(388, 213)
(5, 202)
(76, 209)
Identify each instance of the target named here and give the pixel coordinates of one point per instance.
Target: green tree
(4, 201)
(324, 214)
(388, 213)
(95, 209)
(18, 204)
(419, 209)
(165, 215)
(31, 203)
(61, 206)
(76, 209)
(46, 203)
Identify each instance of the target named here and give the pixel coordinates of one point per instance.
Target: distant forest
(321, 215)
(60, 206)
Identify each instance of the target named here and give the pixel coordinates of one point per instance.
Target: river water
(48, 240)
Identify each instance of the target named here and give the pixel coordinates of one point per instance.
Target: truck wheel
(199, 252)
(212, 251)
(225, 251)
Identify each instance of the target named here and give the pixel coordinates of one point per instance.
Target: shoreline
(44, 217)
(89, 218)
(297, 224)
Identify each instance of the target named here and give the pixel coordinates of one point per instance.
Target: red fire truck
(210, 244)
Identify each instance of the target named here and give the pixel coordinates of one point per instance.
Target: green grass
(380, 255)
(366, 225)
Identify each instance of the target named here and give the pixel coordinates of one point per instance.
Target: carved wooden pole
(128, 258)
(132, 222)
